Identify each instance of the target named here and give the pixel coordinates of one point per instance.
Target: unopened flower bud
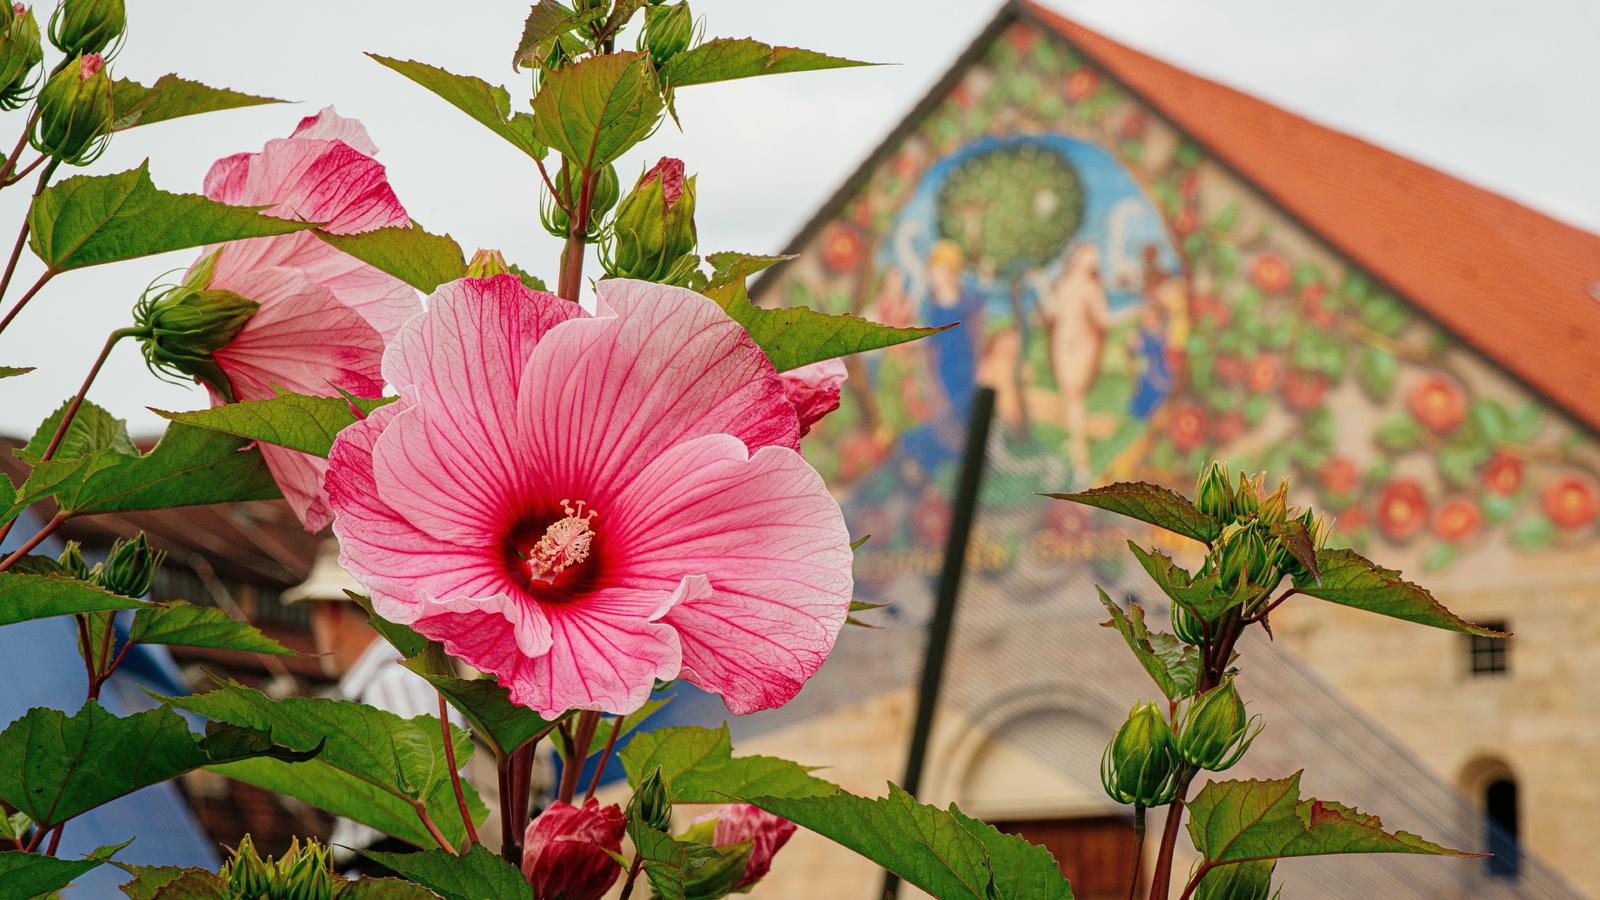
(1187, 626)
(603, 196)
(1316, 526)
(181, 327)
(668, 31)
(75, 112)
(1215, 731)
(567, 853)
(1275, 508)
(1138, 764)
(651, 805)
(487, 264)
(743, 822)
(87, 26)
(1247, 499)
(1237, 881)
(1213, 494)
(246, 874)
(305, 873)
(131, 568)
(73, 563)
(653, 237)
(20, 55)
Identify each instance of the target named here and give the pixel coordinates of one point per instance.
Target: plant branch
(25, 297)
(1194, 882)
(1138, 852)
(1169, 839)
(35, 541)
(77, 401)
(605, 757)
(16, 252)
(427, 822)
(24, 173)
(578, 239)
(10, 164)
(55, 840)
(455, 774)
(550, 185)
(515, 772)
(633, 875)
(1272, 606)
(577, 754)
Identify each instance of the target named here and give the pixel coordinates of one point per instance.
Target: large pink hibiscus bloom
(584, 504)
(325, 315)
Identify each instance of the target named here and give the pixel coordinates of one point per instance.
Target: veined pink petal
(772, 543)
(229, 179)
(401, 564)
(302, 339)
(497, 631)
(603, 396)
(322, 181)
(328, 125)
(383, 300)
(299, 477)
(814, 390)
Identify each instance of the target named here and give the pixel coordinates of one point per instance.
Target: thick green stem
(1138, 853)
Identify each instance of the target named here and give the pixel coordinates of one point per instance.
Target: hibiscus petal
(772, 542)
(227, 180)
(299, 476)
(493, 634)
(401, 565)
(814, 390)
(328, 125)
(383, 300)
(424, 476)
(607, 394)
(302, 339)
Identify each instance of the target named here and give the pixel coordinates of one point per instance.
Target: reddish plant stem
(455, 774)
(515, 772)
(16, 252)
(10, 164)
(1138, 853)
(77, 401)
(577, 754)
(605, 757)
(55, 840)
(1162, 877)
(1194, 882)
(24, 173)
(427, 822)
(578, 239)
(35, 841)
(34, 541)
(633, 875)
(1273, 605)
(25, 297)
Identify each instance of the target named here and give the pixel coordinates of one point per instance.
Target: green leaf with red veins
(593, 111)
(489, 105)
(546, 20)
(1174, 665)
(92, 429)
(1150, 503)
(93, 219)
(410, 253)
(1202, 597)
(179, 624)
(794, 336)
(171, 97)
(1235, 821)
(296, 421)
(25, 596)
(724, 59)
(700, 765)
(1350, 579)
(1297, 539)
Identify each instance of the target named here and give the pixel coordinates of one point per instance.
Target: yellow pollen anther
(565, 543)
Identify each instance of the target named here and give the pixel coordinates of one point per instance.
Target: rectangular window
(1489, 656)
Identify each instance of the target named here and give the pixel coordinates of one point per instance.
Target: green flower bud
(75, 112)
(1186, 625)
(653, 237)
(1237, 881)
(131, 568)
(246, 874)
(87, 26)
(604, 196)
(668, 31)
(714, 877)
(652, 802)
(1247, 499)
(305, 873)
(1213, 494)
(73, 563)
(181, 327)
(1244, 556)
(487, 264)
(1215, 731)
(1316, 526)
(1138, 765)
(20, 54)
(1275, 508)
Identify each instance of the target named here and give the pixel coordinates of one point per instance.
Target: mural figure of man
(1077, 316)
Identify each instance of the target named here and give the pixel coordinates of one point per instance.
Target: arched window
(1501, 812)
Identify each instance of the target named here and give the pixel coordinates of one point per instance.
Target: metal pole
(949, 588)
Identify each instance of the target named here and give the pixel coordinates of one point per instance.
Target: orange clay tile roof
(1520, 287)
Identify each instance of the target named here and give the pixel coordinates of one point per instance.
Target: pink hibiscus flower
(324, 315)
(585, 504)
(814, 390)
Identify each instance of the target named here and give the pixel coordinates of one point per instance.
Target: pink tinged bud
(18, 9)
(814, 390)
(91, 66)
(670, 171)
(564, 854)
(766, 833)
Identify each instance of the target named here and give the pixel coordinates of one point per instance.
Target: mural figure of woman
(952, 358)
(1077, 316)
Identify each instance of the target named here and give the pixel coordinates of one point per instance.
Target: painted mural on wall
(1139, 311)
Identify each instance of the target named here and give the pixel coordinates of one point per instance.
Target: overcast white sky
(1499, 92)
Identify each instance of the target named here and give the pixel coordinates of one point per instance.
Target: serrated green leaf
(54, 766)
(942, 852)
(487, 706)
(1296, 538)
(375, 767)
(381, 889)
(724, 59)
(92, 429)
(179, 624)
(189, 467)
(34, 874)
(700, 765)
(794, 336)
(727, 267)
(593, 111)
(25, 596)
(92, 219)
(1237, 821)
(1350, 579)
(1174, 666)
(297, 421)
(546, 20)
(410, 253)
(1150, 503)
(401, 637)
(173, 883)
(477, 874)
(171, 97)
(13, 371)
(1202, 598)
(487, 104)
(664, 860)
